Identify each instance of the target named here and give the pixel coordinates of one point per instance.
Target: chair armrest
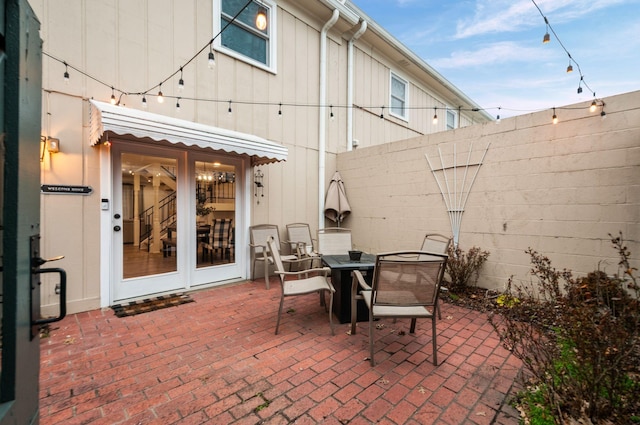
(358, 280)
(326, 271)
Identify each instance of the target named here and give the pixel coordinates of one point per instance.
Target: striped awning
(146, 125)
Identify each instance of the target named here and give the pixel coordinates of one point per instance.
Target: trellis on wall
(455, 189)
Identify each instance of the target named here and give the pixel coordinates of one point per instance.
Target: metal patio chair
(301, 243)
(307, 282)
(334, 241)
(405, 285)
(258, 237)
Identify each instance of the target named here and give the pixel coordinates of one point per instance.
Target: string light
(435, 116)
(229, 111)
(572, 61)
(547, 37)
(593, 106)
(160, 96)
(113, 97)
(66, 73)
(498, 116)
(178, 104)
(212, 59)
(331, 113)
(382, 113)
(554, 119)
(144, 101)
(603, 114)
(280, 110)
(180, 82)
(261, 18)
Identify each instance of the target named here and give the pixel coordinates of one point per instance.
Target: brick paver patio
(217, 361)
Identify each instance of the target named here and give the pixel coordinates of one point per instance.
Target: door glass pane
(149, 215)
(215, 199)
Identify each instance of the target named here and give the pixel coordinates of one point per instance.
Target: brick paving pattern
(217, 361)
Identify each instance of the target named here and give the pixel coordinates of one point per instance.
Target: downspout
(322, 119)
(363, 28)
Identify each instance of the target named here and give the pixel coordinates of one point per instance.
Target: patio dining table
(341, 267)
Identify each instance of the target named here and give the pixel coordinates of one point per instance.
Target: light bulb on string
(113, 97)
(261, 18)
(212, 58)
(160, 96)
(280, 110)
(382, 113)
(593, 106)
(178, 104)
(554, 119)
(547, 37)
(569, 68)
(144, 101)
(603, 114)
(181, 81)
(229, 110)
(331, 113)
(66, 73)
(435, 116)
(498, 116)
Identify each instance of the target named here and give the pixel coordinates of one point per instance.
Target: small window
(451, 119)
(242, 39)
(398, 97)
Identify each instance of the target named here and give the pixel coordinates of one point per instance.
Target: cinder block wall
(559, 189)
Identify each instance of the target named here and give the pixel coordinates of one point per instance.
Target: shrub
(463, 268)
(579, 341)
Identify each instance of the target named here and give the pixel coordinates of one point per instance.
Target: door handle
(36, 261)
(63, 297)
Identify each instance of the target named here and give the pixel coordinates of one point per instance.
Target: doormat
(150, 304)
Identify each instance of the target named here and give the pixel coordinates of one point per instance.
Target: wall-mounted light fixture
(259, 189)
(53, 145)
(49, 144)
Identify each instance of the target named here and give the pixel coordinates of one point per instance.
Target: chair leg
(435, 345)
(266, 272)
(412, 329)
(373, 363)
(331, 312)
(439, 314)
(279, 314)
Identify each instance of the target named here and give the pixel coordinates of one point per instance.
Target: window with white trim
(242, 39)
(399, 93)
(451, 119)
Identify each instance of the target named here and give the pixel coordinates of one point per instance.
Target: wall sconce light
(53, 145)
(50, 144)
(259, 189)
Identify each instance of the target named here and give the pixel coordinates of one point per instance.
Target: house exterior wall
(558, 189)
(135, 45)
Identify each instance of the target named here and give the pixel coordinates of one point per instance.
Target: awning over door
(145, 125)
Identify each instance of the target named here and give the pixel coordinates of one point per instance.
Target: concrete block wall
(558, 189)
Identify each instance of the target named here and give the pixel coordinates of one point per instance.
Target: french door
(173, 220)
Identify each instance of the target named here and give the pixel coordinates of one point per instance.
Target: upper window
(398, 101)
(242, 38)
(451, 119)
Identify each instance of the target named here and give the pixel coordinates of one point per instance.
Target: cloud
(502, 52)
(498, 16)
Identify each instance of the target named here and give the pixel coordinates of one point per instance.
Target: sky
(492, 50)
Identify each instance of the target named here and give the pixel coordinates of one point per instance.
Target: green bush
(579, 341)
(463, 268)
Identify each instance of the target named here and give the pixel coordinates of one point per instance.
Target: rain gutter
(322, 118)
(363, 28)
